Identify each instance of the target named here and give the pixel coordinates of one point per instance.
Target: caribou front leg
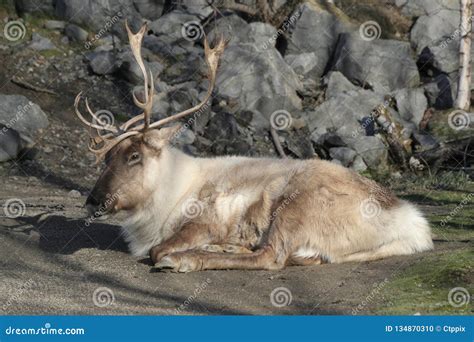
(262, 259)
(190, 236)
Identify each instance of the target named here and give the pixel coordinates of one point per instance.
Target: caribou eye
(134, 158)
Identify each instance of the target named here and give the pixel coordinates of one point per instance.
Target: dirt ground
(51, 262)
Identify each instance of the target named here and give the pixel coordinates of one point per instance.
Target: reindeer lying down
(194, 214)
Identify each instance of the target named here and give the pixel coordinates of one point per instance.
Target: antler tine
(90, 124)
(109, 144)
(212, 59)
(135, 40)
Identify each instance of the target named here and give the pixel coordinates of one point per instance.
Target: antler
(212, 56)
(103, 143)
(136, 45)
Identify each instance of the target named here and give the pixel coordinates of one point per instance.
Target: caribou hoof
(179, 263)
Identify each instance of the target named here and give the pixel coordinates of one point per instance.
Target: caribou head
(138, 148)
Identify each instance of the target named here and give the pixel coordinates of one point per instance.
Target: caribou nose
(92, 205)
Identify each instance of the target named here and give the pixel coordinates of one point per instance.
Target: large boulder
(435, 37)
(383, 65)
(100, 15)
(411, 104)
(238, 31)
(258, 80)
(347, 116)
(177, 26)
(34, 6)
(418, 8)
(312, 29)
(22, 122)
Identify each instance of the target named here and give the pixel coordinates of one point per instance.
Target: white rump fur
(395, 231)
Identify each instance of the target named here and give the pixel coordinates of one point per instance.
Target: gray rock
(130, 69)
(342, 115)
(40, 43)
(358, 164)
(435, 37)
(150, 9)
(344, 154)
(384, 65)
(76, 33)
(24, 116)
(303, 64)
(418, 8)
(233, 27)
(103, 62)
(35, 6)
(200, 8)
(99, 15)
(425, 141)
(10, 143)
(312, 29)
(74, 194)
(177, 26)
(238, 31)
(261, 34)
(258, 80)
(54, 24)
(372, 151)
(185, 136)
(440, 92)
(338, 84)
(411, 104)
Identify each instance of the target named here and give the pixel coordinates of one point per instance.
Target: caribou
(236, 212)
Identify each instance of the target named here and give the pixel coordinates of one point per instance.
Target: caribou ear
(159, 138)
(170, 133)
